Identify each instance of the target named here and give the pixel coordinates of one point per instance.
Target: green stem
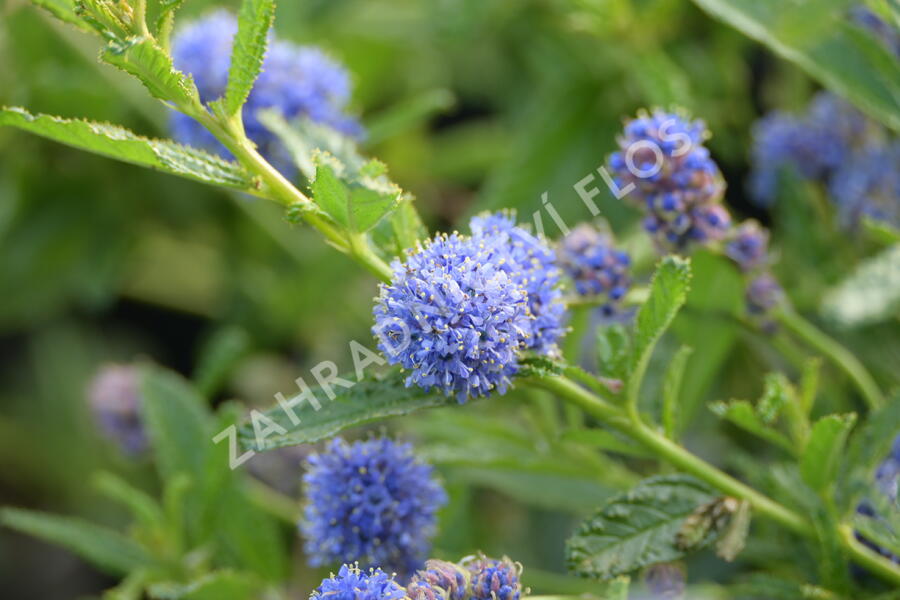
(835, 352)
(867, 558)
(273, 502)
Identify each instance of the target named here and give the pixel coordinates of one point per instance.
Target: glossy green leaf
(145, 60)
(119, 143)
(637, 528)
(64, 10)
(843, 57)
(254, 21)
(373, 398)
(355, 205)
(742, 414)
(870, 294)
(103, 547)
(824, 450)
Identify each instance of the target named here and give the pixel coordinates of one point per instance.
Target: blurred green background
(473, 104)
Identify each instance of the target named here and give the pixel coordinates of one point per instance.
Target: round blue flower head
(454, 317)
(297, 81)
(441, 579)
(115, 401)
(868, 185)
(531, 264)
(675, 180)
(596, 267)
(370, 500)
(493, 579)
(351, 583)
(748, 246)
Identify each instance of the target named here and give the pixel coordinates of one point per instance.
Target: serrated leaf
(254, 21)
(64, 10)
(219, 585)
(809, 384)
(742, 414)
(870, 294)
(614, 350)
(105, 548)
(373, 398)
(636, 529)
(119, 143)
(144, 59)
(820, 459)
(355, 205)
(671, 389)
(870, 443)
(777, 393)
(840, 55)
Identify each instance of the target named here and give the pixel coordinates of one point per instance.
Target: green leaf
(870, 294)
(844, 58)
(618, 589)
(145, 508)
(671, 387)
(881, 231)
(869, 445)
(64, 10)
(224, 349)
(777, 394)
(119, 143)
(357, 205)
(177, 422)
(668, 292)
(823, 452)
(254, 21)
(614, 351)
(636, 529)
(809, 384)
(144, 59)
(742, 414)
(219, 585)
(103, 547)
(373, 398)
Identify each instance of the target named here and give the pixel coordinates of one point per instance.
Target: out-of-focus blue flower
(115, 402)
(813, 144)
(868, 184)
(297, 81)
(887, 480)
(665, 581)
(596, 267)
(763, 294)
(675, 180)
(454, 318)
(447, 577)
(748, 246)
(351, 583)
(370, 501)
(531, 264)
(493, 579)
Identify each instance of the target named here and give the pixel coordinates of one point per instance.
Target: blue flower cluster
(869, 185)
(475, 578)
(493, 579)
(747, 246)
(887, 480)
(115, 402)
(596, 267)
(675, 180)
(455, 317)
(834, 144)
(369, 501)
(297, 81)
(531, 264)
(351, 583)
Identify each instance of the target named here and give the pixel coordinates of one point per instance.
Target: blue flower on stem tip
(748, 246)
(493, 579)
(596, 267)
(454, 317)
(115, 402)
(298, 81)
(531, 264)
(675, 180)
(370, 501)
(439, 580)
(763, 294)
(352, 583)
(887, 480)
(868, 184)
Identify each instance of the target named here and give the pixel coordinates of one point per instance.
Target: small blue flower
(868, 184)
(763, 294)
(676, 182)
(748, 246)
(371, 501)
(351, 583)
(298, 81)
(595, 266)
(493, 579)
(440, 578)
(531, 264)
(115, 401)
(454, 317)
